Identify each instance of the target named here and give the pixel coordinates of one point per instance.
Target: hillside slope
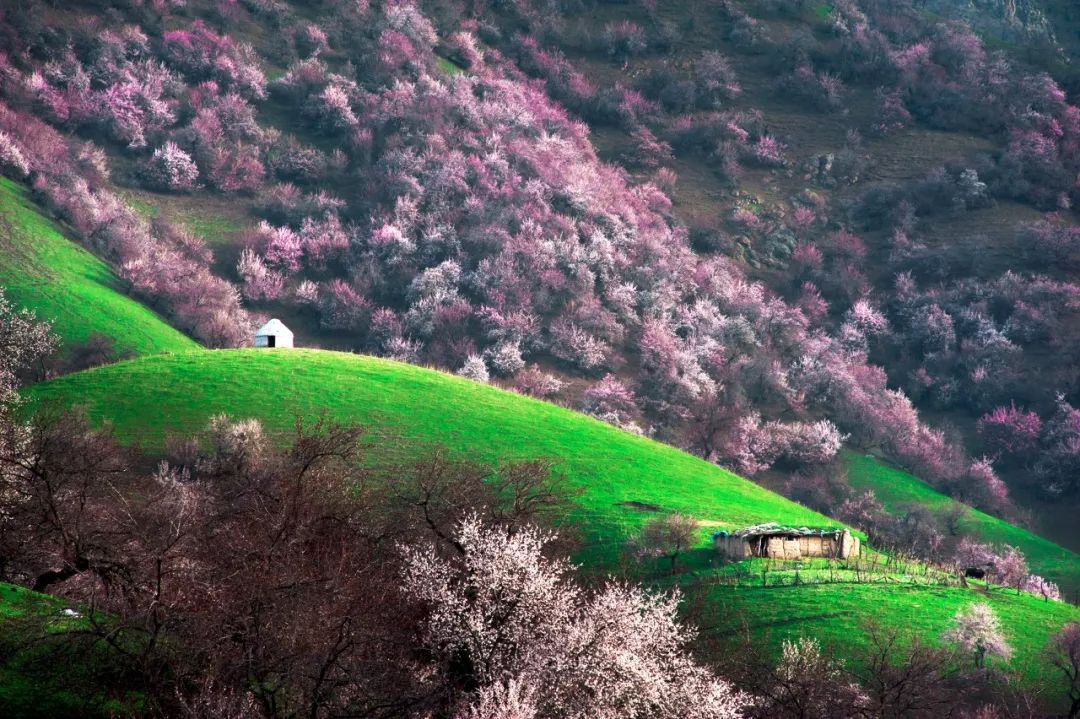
(618, 474)
(836, 614)
(44, 271)
(410, 408)
(899, 491)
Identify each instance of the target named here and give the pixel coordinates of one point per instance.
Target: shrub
(1008, 431)
(285, 203)
(747, 33)
(624, 39)
(341, 307)
(170, 168)
(475, 369)
(679, 96)
(611, 401)
(302, 80)
(281, 246)
(648, 151)
(574, 345)
(715, 78)
(666, 536)
(811, 443)
(260, 282)
(821, 91)
(807, 681)
(235, 168)
(331, 110)
(891, 115)
(1063, 651)
(1059, 462)
(1042, 587)
(533, 382)
(323, 239)
(1010, 569)
(129, 110)
(90, 161)
(203, 54)
(981, 486)
(292, 161)
(769, 152)
(310, 41)
(307, 293)
(12, 159)
(505, 358)
(1051, 240)
(25, 341)
(811, 303)
(565, 82)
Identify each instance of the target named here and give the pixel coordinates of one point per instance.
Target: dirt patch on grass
(641, 506)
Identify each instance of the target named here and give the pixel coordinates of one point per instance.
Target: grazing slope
(411, 407)
(899, 491)
(46, 272)
(834, 613)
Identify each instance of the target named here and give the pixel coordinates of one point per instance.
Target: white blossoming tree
(809, 682)
(976, 631)
(509, 627)
(475, 369)
(170, 168)
(24, 341)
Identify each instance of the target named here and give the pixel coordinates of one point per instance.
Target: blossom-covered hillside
(446, 211)
(766, 263)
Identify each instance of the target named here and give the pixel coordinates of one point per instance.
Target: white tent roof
(274, 328)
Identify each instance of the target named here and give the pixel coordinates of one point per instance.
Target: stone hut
(777, 542)
(274, 334)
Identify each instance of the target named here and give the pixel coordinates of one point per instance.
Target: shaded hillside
(31, 685)
(787, 237)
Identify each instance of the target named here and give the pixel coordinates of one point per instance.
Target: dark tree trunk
(55, 576)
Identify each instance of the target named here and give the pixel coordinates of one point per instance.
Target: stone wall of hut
(838, 546)
(733, 547)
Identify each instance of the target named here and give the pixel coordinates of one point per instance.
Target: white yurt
(274, 334)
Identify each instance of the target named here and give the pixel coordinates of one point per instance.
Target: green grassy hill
(412, 408)
(898, 491)
(618, 474)
(44, 271)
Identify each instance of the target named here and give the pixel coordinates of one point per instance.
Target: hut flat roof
(771, 529)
